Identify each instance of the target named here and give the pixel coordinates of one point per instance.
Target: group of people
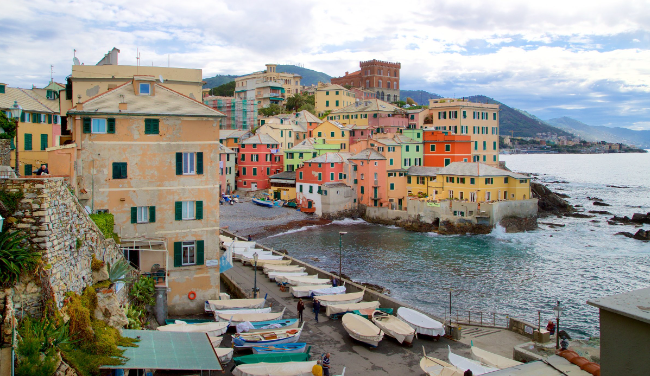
(301, 308)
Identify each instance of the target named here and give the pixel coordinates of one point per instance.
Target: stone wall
(5, 152)
(62, 230)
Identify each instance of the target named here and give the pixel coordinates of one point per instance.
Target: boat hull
(244, 343)
(266, 204)
(289, 348)
(288, 324)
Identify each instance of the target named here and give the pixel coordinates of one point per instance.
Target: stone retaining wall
(5, 152)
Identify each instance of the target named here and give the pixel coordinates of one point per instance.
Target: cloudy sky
(589, 60)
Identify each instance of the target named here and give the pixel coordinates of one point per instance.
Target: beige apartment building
(267, 87)
(332, 97)
(480, 121)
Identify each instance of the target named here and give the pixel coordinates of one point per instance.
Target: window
(475, 145)
(254, 171)
(43, 141)
(489, 180)
(447, 161)
(471, 181)
(494, 116)
(268, 171)
(337, 103)
(119, 170)
(331, 176)
(447, 147)
(320, 176)
(189, 167)
(145, 89)
(143, 214)
(407, 148)
(300, 175)
(28, 169)
(390, 161)
(28, 141)
(432, 147)
(320, 134)
(255, 158)
(494, 145)
(488, 196)
(189, 253)
(188, 210)
(327, 93)
(362, 190)
(98, 125)
(331, 134)
(392, 186)
(311, 189)
(505, 180)
(151, 126)
(417, 148)
(361, 176)
(327, 104)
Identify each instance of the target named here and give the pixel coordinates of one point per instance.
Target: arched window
(388, 84)
(395, 73)
(382, 95)
(367, 84)
(388, 98)
(395, 85)
(378, 94)
(379, 85)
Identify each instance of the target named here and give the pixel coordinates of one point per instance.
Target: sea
(499, 275)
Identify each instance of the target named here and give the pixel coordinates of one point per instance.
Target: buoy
(191, 295)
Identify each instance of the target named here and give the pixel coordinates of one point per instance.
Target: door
(374, 191)
(254, 186)
(399, 204)
(276, 195)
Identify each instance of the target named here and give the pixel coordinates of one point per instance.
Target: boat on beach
(224, 354)
(464, 363)
(436, 367)
(306, 280)
(270, 337)
(263, 203)
(422, 323)
(394, 327)
(362, 329)
(248, 259)
(328, 291)
(283, 268)
(285, 278)
(266, 369)
(237, 304)
(261, 326)
(351, 298)
(261, 263)
(274, 275)
(238, 318)
(343, 308)
(304, 291)
(287, 348)
(271, 358)
(239, 311)
(492, 360)
(210, 328)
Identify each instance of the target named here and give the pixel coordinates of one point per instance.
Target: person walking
(326, 365)
(301, 307)
(250, 238)
(316, 308)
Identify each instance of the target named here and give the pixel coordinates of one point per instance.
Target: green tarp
(271, 358)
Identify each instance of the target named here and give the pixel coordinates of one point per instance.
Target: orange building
(369, 173)
(442, 148)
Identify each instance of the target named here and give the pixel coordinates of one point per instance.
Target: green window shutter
(147, 126)
(86, 125)
(178, 206)
(49, 118)
(199, 163)
(12, 144)
(116, 170)
(152, 214)
(155, 126)
(179, 163)
(28, 170)
(178, 254)
(199, 210)
(123, 170)
(28, 141)
(22, 117)
(199, 252)
(36, 118)
(134, 215)
(110, 125)
(43, 141)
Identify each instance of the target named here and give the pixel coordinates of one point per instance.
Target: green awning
(271, 358)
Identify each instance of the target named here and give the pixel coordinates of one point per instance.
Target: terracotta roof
(367, 154)
(367, 105)
(355, 73)
(285, 175)
(260, 139)
(307, 116)
(25, 98)
(423, 171)
(331, 158)
(306, 144)
(234, 133)
(477, 169)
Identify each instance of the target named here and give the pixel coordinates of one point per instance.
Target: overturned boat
(394, 327)
(362, 329)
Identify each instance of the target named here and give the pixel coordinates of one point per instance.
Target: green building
(308, 149)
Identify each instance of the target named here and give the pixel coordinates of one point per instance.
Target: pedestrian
(301, 307)
(317, 369)
(250, 238)
(468, 373)
(326, 365)
(564, 343)
(316, 308)
(551, 327)
(43, 170)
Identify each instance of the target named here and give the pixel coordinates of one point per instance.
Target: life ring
(191, 295)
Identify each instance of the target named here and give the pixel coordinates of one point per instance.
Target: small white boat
(394, 327)
(351, 298)
(436, 367)
(362, 329)
(236, 304)
(275, 275)
(249, 260)
(239, 311)
(304, 291)
(287, 348)
(210, 328)
(422, 323)
(464, 363)
(285, 278)
(283, 268)
(328, 291)
(215, 341)
(238, 318)
(262, 326)
(284, 369)
(308, 280)
(262, 263)
(270, 337)
(493, 360)
(264, 203)
(224, 354)
(343, 308)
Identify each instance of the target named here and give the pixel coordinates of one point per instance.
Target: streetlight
(558, 310)
(255, 290)
(16, 111)
(341, 233)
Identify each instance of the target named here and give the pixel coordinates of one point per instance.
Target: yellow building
(478, 182)
(396, 189)
(39, 125)
(283, 185)
(268, 86)
(283, 128)
(478, 120)
(423, 182)
(367, 112)
(332, 97)
(334, 133)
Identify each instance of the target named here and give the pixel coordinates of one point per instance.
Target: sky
(589, 60)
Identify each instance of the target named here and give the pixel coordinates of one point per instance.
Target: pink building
(369, 170)
(359, 132)
(387, 123)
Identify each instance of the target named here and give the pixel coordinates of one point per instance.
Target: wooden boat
(301, 281)
(422, 323)
(362, 329)
(284, 369)
(275, 275)
(237, 304)
(285, 278)
(210, 328)
(304, 291)
(464, 363)
(343, 308)
(241, 254)
(270, 337)
(224, 354)
(264, 203)
(261, 263)
(238, 311)
(492, 360)
(260, 259)
(394, 327)
(351, 298)
(262, 326)
(328, 291)
(238, 318)
(193, 321)
(287, 348)
(271, 358)
(215, 341)
(436, 367)
(282, 268)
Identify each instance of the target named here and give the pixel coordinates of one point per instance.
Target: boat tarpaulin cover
(464, 363)
(252, 317)
(215, 328)
(236, 303)
(422, 323)
(271, 358)
(328, 291)
(353, 297)
(275, 369)
(359, 325)
(493, 360)
(341, 308)
(394, 327)
(304, 291)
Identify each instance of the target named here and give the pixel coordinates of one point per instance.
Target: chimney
(122, 106)
(346, 73)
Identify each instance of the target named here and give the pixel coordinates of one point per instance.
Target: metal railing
(478, 318)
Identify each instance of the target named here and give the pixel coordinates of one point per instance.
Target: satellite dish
(75, 61)
(161, 79)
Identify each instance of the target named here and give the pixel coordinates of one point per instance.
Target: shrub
(11, 200)
(106, 223)
(15, 257)
(96, 265)
(37, 346)
(118, 272)
(142, 292)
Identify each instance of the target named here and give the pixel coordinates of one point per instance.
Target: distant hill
(420, 96)
(218, 80)
(601, 133)
(309, 76)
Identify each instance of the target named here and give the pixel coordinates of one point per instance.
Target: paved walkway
(5, 361)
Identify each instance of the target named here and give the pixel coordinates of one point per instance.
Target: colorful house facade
(478, 182)
(227, 169)
(259, 157)
(442, 148)
(332, 97)
(370, 176)
(327, 168)
(334, 133)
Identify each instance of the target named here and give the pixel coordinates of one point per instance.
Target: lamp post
(255, 290)
(341, 233)
(16, 111)
(558, 310)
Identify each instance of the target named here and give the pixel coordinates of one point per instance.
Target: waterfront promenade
(389, 358)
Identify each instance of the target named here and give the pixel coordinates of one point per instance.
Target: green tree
(225, 90)
(271, 110)
(8, 126)
(399, 104)
(294, 102)
(308, 107)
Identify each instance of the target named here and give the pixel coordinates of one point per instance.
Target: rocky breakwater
(549, 202)
(638, 219)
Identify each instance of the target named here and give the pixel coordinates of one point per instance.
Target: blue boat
(261, 326)
(264, 203)
(288, 348)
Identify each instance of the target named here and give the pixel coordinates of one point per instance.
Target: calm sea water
(515, 274)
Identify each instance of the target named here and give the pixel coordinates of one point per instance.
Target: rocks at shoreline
(599, 212)
(637, 219)
(640, 235)
(600, 203)
(548, 201)
(449, 228)
(578, 215)
(516, 224)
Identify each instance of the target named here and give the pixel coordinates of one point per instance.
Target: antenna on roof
(75, 61)
(51, 73)
(161, 79)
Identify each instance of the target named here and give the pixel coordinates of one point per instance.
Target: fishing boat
(422, 323)
(270, 337)
(492, 360)
(262, 263)
(285, 278)
(362, 329)
(287, 348)
(328, 291)
(238, 318)
(192, 321)
(224, 354)
(240, 311)
(351, 298)
(240, 253)
(343, 308)
(307, 280)
(436, 367)
(271, 358)
(248, 258)
(304, 291)
(210, 328)
(464, 363)
(283, 268)
(274, 275)
(237, 304)
(284, 369)
(264, 203)
(215, 341)
(394, 327)
(261, 326)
